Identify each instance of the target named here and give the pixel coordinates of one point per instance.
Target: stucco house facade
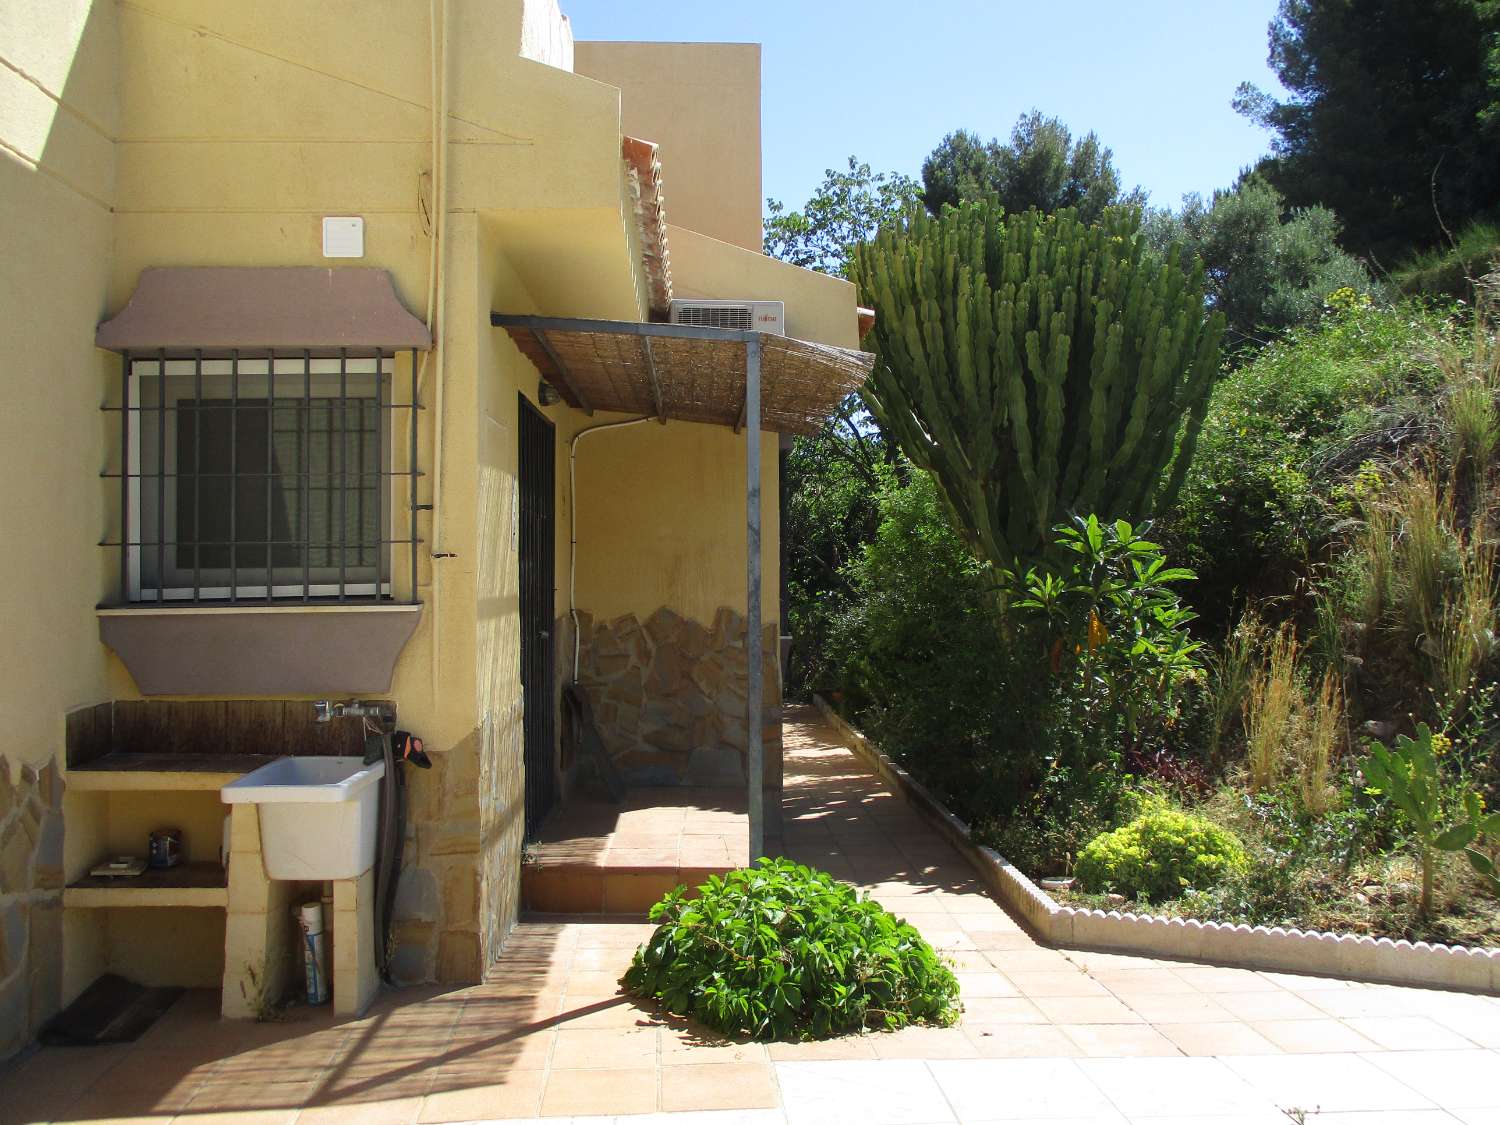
(306, 308)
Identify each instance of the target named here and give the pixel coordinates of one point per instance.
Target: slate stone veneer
(669, 696)
(31, 881)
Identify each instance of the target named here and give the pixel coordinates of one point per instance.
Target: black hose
(392, 829)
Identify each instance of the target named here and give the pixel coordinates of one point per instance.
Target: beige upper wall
(819, 307)
(700, 102)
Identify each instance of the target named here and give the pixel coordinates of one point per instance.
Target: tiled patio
(1048, 1035)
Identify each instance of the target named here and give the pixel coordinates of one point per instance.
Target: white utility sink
(317, 815)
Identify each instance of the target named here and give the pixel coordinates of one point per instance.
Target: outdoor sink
(317, 815)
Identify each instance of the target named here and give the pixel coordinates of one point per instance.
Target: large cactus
(1037, 366)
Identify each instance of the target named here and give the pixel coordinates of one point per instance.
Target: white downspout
(573, 523)
(436, 297)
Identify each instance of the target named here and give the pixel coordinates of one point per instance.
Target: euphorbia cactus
(1037, 367)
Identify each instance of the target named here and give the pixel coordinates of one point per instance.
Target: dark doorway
(536, 547)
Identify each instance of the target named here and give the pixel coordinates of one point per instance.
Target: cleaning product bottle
(314, 951)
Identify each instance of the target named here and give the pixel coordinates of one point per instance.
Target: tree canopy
(1041, 166)
(847, 208)
(1266, 268)
(1393, 118)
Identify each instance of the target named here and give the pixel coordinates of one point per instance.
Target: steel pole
(755, 757)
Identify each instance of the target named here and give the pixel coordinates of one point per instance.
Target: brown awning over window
(262, 309)
(687, 373)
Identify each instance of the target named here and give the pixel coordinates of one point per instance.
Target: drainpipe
(573, 523)
(436, 301)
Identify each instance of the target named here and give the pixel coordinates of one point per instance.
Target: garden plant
(781, 951)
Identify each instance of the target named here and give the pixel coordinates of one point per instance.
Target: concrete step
(598, 888)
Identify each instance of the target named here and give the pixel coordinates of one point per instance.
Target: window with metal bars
(264, 478)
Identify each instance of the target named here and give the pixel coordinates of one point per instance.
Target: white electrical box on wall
(343, 237)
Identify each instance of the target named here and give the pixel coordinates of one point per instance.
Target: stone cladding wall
(31, 881)
(669, 696)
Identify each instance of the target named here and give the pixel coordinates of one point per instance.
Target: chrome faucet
(325, 710)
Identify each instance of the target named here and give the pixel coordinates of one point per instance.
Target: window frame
(262, 370)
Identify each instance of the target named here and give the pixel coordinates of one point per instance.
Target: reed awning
(687, 373)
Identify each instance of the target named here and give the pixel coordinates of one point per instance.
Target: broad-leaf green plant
(781, 951)
(1410, 776)
(1108, 615)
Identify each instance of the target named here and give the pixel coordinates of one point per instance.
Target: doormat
(111, 1010)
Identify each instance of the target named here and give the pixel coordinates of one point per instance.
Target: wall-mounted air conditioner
(741, 316)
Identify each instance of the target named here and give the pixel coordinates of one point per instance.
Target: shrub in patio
(1159, 855)
(781, 951)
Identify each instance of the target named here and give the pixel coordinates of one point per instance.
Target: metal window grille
(266, 478)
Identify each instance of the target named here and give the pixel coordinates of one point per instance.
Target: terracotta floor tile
(502, 1053)
(594, 985)
(1209, 978)
(1409, 1033)
(579, 1093)
(607, 1048)
(1313, 1036)
(923, 1043)
(1119, 1040)
(244, 1117)
(718, 1086)
(1217, 1039)
(1194, 1007)
(977, 985)
(234, 1096)
(1085, 1009)
(846, 1048)
(1150, 982)
(399, 1111)
(122, 1106)
(518, 1095)
(1067, 982)
(691, 1048)
(1020, 1040)
(1267, 1006)
(1002, 1009)
(614, 960)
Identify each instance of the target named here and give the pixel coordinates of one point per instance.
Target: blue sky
(886, 81)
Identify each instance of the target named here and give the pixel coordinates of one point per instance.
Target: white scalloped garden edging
(1256, 947)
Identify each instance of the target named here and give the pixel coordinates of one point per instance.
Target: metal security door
(536, 546)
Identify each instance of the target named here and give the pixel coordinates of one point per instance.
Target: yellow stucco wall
(58, 95)
(661, 520)
(700, 102)
(58, 121)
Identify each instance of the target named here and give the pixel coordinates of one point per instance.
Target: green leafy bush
(780, 951)
(1288, 432)
(1159, 855)
(923, 667)
(1110, 622)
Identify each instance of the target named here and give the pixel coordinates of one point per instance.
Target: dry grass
(1424, 550)
(1272, 712)
(1465, 639)
(1232, 669)
(1323, 736)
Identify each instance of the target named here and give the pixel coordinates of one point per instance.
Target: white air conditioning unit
(740, 316)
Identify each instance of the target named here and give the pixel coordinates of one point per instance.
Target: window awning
(184, 308)
(687, 373)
